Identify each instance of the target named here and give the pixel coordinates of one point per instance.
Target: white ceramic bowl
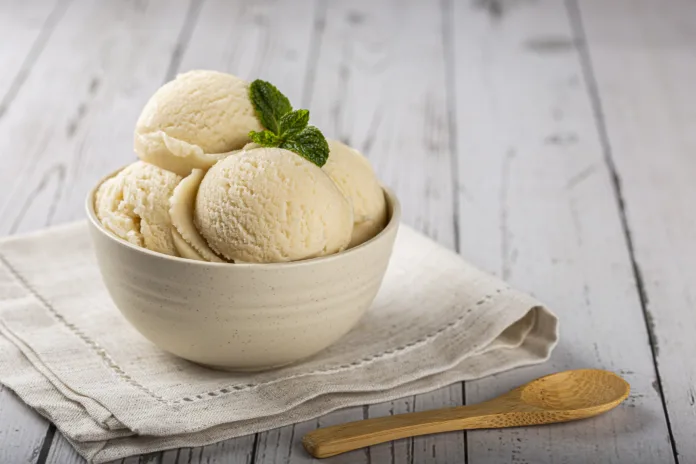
(242, 316)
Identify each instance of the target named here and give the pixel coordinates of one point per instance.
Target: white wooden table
(551, 144)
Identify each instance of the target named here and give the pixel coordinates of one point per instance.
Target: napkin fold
(67, 352)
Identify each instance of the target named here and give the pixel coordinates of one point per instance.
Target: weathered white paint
(537, 208)
(62, 452)
(24, 29)
(269, 40)
(22, 431)
(72, 120)
(643, 56)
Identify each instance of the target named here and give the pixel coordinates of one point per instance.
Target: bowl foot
(246, 369)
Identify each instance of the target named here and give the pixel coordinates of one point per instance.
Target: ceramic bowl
(242, 316)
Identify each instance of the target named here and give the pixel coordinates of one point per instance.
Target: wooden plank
(69, 123)
(388, 452)
(536, 207)
(62, 452)
(282, 445)
(92, 86)
(269, 40)
(238, 450)
(24, 29)
(22, 431)
(642, 58)
(381, 88)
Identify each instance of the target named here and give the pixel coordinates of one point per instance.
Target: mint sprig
(265, 138)
(270, 104)
(293, 122)
(285, 128)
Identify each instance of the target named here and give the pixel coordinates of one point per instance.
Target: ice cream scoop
(268, 205)
(187, 240)
(356, 179)
(134, 205)
(194, 121)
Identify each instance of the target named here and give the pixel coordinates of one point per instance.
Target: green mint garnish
(265, 138)
(285, 128)
(309, 143)
(294, 121)
(270, 104)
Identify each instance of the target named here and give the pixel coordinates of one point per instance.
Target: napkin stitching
(111, 363)
(367, 359)
(101, 352)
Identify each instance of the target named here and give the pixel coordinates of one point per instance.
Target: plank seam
(315, 41)
(577, 26)
(254, 449)
(184, 38)
(37, 47)
(46, 445)
(447, 9)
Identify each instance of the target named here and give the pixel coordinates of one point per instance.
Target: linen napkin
(67, 352)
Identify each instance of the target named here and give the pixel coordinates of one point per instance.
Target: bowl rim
(393, 205)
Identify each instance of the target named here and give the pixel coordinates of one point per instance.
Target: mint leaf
(269, 103)
(310, 144)
(265, 138)
(293, 122)
(285, 128)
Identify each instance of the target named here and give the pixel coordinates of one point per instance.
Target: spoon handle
(338, 439)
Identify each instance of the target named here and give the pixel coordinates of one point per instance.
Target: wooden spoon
(560, 397)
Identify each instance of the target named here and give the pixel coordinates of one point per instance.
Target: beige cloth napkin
(67, 351)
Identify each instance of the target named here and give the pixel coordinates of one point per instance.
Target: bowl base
(246, 369)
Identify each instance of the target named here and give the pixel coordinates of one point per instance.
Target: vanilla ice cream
(356, 179)
(194, 121)
(134, 205)
(187, 239)
(270, 205)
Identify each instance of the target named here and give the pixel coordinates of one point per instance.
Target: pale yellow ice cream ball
(194, 121)
(269, 205)
(354, 176)
(134, 205)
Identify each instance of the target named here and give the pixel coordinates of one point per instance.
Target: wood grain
(62, 452)
(93, 99)
(269, 39)
(642, 57)
(22, 431)
(25, 28)
(537, 208)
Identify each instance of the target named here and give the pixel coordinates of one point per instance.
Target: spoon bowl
(576, 390)
(560, 397)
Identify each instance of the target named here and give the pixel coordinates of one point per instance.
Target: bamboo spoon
(560, 397)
